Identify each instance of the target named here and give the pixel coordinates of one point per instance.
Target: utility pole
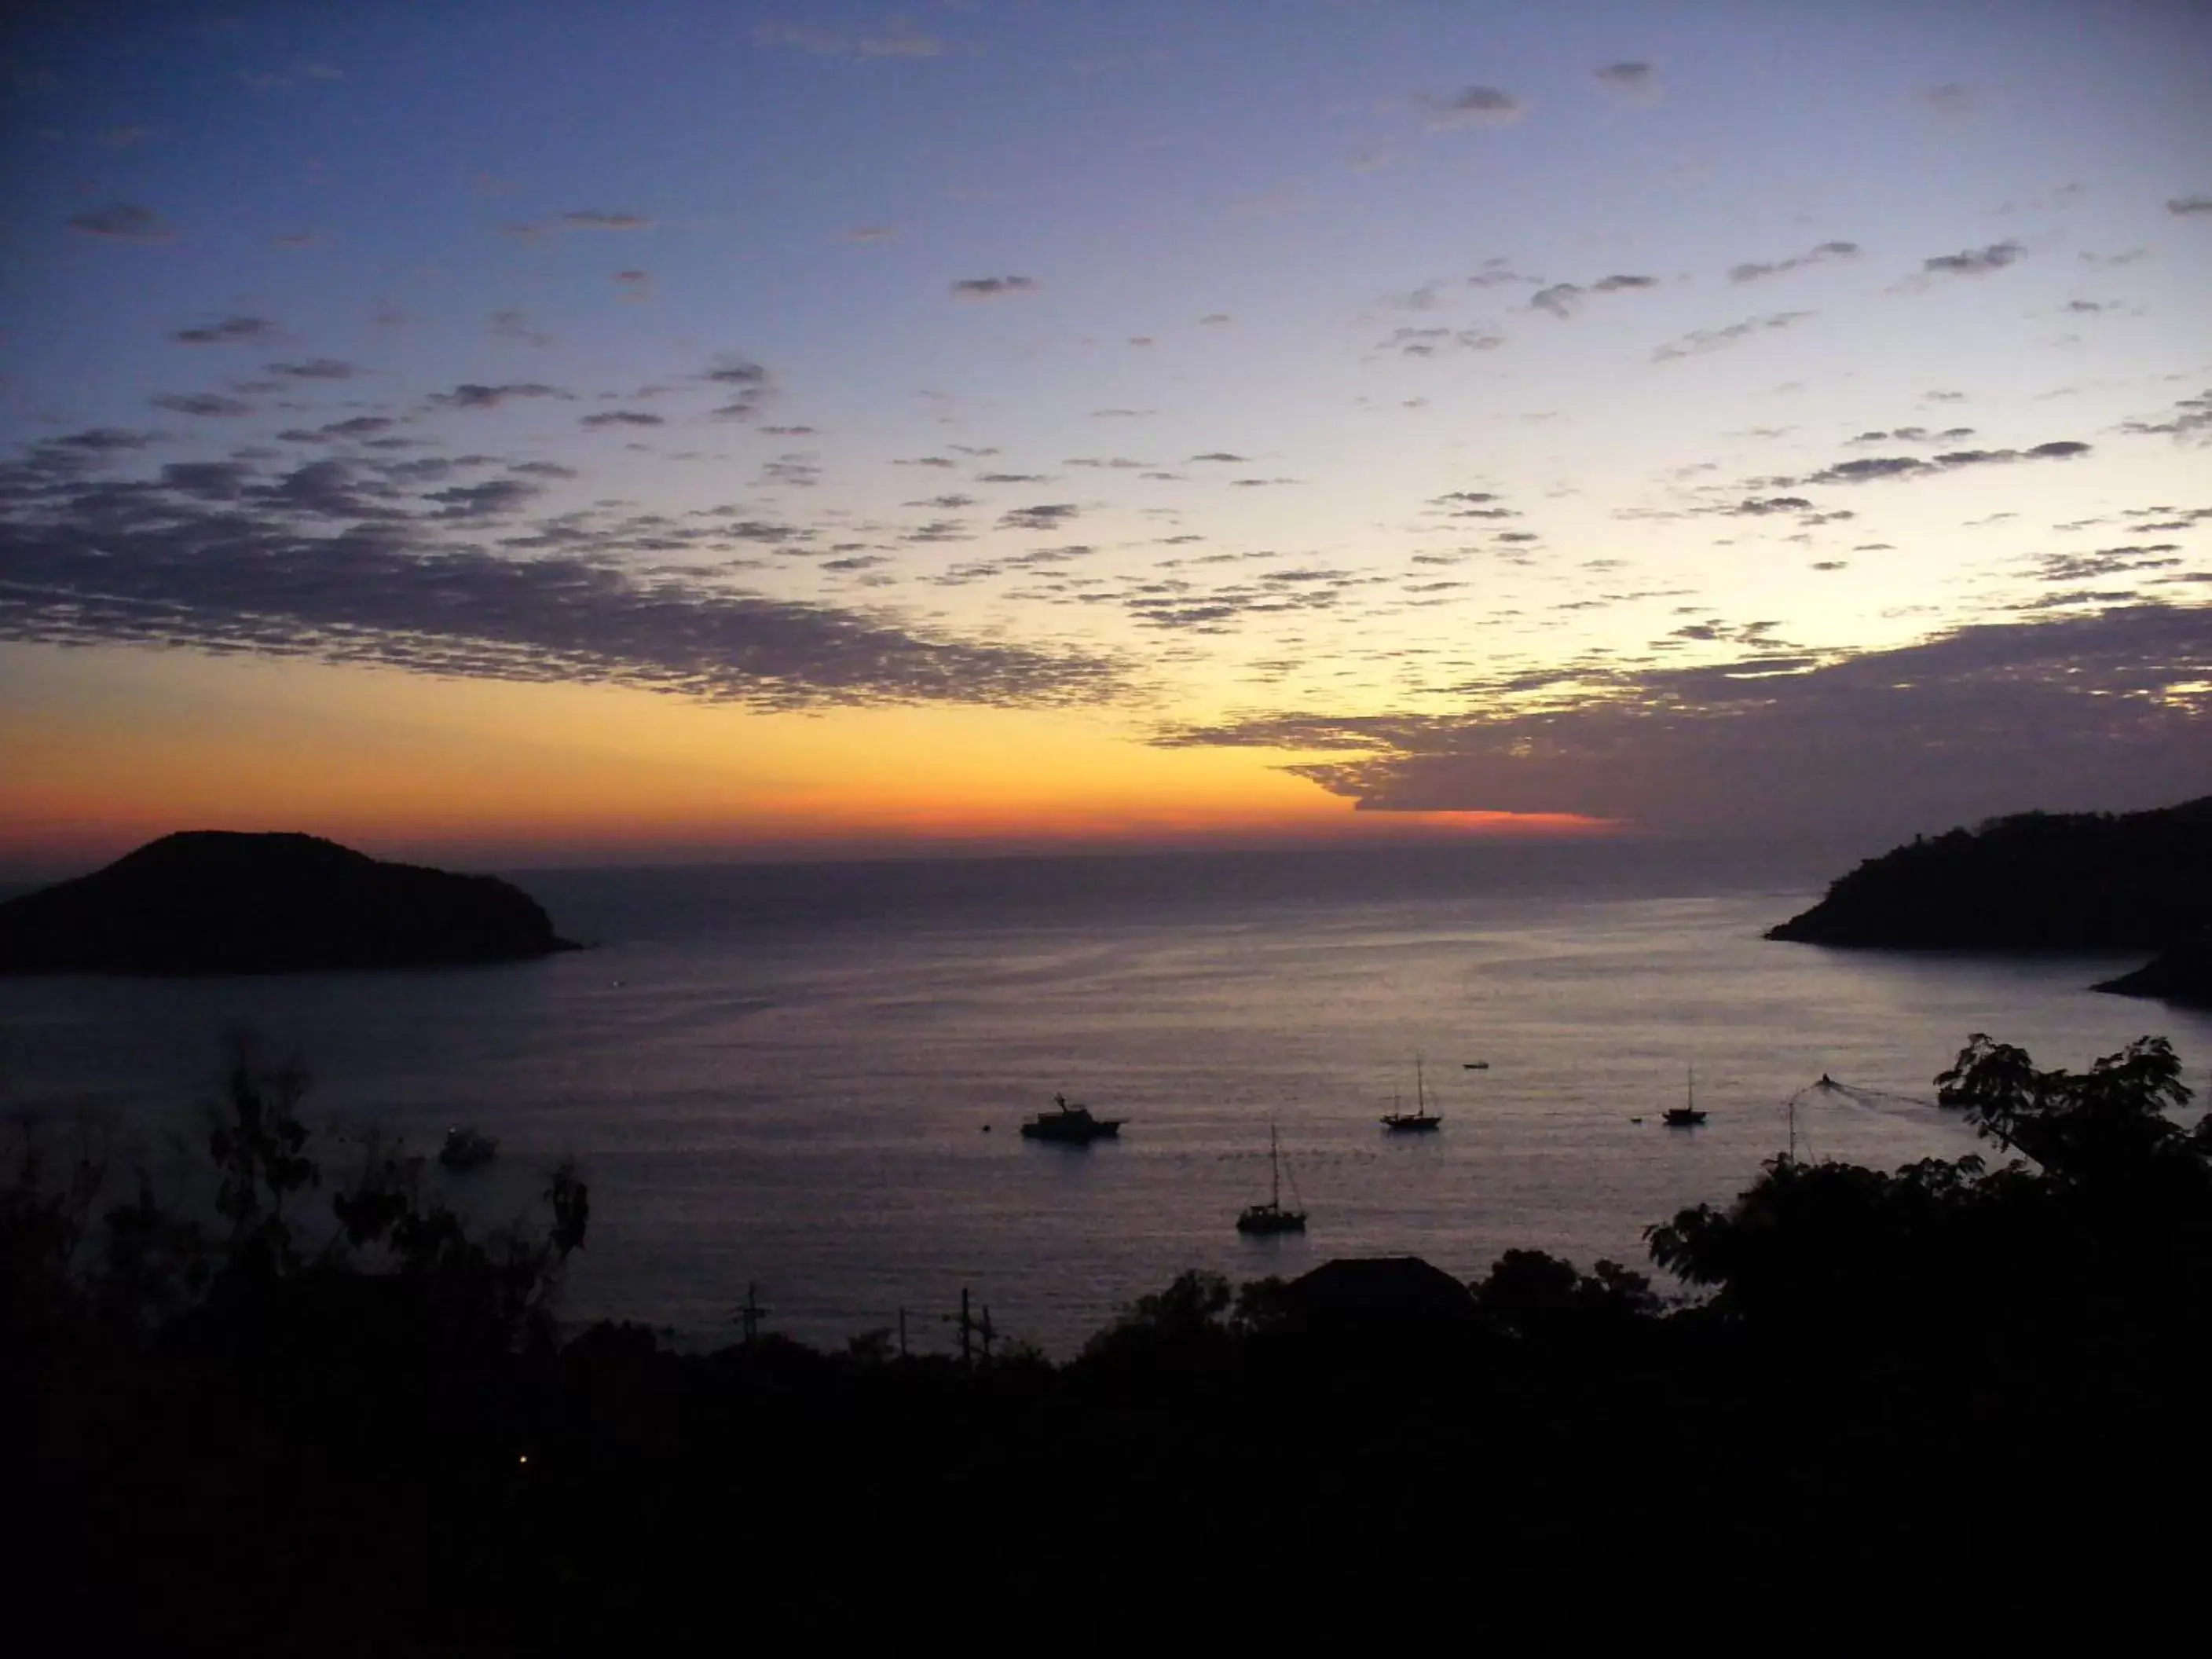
(749, 1316)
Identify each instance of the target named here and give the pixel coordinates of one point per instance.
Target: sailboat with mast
(1421, 1119)
(1271, 1217)
(1686, 1116)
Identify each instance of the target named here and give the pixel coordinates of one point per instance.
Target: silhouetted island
(215, 902)
(2037, 881)
(2182, 974)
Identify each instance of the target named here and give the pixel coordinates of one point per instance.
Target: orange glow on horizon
(515, 775)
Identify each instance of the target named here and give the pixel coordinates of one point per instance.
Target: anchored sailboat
(1271, 1217)
(1420, 1118)
(1686, 1116)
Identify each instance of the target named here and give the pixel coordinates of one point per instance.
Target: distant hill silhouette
(2037, 881)
(2182, 974)
(214, 902)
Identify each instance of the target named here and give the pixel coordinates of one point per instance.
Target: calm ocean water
(783, 1077)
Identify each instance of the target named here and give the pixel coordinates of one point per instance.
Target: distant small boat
(1686, 1116)
(1271, 1217)
(1474, 1066)
(1072, 1126)
(1419, 1119)
(465, 1149)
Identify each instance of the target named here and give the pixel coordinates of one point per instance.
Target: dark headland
(215, 902)
(2041, 881)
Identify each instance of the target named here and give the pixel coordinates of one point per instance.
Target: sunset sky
(531, 432)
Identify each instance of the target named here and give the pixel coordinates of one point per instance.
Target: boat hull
(1072, 1134)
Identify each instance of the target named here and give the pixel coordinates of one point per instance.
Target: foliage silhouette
(385, 1406)
(2037, 881)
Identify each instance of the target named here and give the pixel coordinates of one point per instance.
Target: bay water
(808, 1079)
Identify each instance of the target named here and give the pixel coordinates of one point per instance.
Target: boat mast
(1275, 1170)
(1420, 1091)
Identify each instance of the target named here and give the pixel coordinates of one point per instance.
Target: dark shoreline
(230, 1438)
(2040, 884)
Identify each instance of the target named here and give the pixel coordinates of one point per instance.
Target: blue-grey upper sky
(1695, 415)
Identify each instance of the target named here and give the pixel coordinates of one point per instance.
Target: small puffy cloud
(101, 441)
(1634, 80)
(314, 368)
(122, 221)
(1759, 505)
(1215, 320)
(1047, 517)
(360, 426)
(1700, 341)
(595, 219)
(1753, 271)
(1622, 285)
(2190, 419)
(1219, 455)
(231, 330)
(866, 234)
(622, 417)
(1974, 261)
(470, 395)
(994, 288)
(745, 383)
(484, 500)
(1949, 98)
(1435, 341)
(1497, 272)
(1560, 299)
(1864, 470)
(633, 284)
(795, 470)
(1916, 434)
(1473, 107)
(200, 402)
(2184, 206)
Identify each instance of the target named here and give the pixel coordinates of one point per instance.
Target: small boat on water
(1686, 1116)
(1421, 1119)
(465, 1149)
(1072, 1126)
(1271, 1217)
(1474, 1066)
